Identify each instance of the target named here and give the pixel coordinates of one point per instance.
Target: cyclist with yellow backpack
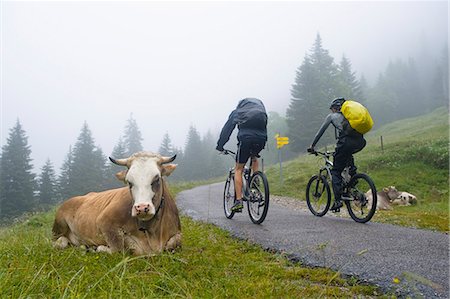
(351, 120)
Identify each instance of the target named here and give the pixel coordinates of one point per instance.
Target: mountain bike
(255, 191)
(318, 193)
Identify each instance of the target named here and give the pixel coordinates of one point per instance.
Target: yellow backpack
(358, 116)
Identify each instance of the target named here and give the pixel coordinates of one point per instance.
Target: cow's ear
(167, 169)
(386, 189)
(121, 175)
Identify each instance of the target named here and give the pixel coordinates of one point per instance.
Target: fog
(176, 64)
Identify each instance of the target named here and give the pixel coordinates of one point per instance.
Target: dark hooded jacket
(251, 118)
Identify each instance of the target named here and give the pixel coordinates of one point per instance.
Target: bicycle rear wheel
(229, 194)
(258, 201)
(318, 195)
(360, 207)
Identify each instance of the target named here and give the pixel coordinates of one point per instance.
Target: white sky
(173, 64)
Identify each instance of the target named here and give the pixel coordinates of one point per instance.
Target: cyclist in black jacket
(251, 118)
(349, 142)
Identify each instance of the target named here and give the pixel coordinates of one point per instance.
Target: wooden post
(281, 167)
(382, 146)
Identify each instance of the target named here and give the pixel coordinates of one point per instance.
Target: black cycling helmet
(337, 103)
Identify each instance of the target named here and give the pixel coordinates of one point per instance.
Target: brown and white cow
(384, 197)
(141, 217)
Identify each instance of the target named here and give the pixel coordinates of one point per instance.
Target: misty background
(84, 80)
(175, 64)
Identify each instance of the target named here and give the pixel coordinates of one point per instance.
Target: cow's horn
(165, 160)
(121, 162)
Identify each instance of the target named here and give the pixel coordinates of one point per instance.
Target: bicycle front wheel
(229, 194)
(361, 205)
(318, 195)
(258, 201)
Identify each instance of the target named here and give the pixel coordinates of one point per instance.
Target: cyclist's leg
(255, 164)
(342, 156)
(358, 144)
(243, 153)
(238, 180)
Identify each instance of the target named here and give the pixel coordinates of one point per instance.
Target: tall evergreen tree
(364, 87)
(88, 167)
(47, 186)
(316, 84)
(119, 152)
(132, 137)
(178, 173)
(166, 147)
(65, 188)
(349, 86)
(17, 180)
(439, 90)
(193, 160)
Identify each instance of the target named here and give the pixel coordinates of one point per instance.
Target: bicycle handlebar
(317, 153)
(228, 152)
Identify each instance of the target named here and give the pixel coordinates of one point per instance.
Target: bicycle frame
(329, 165)
(325, 170)
(246, 172)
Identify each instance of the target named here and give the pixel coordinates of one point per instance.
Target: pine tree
(88, 166)
(316, 84)
(364, 87)
(166, 147)
(177, 175)
(17, 180)
(193, 160)
(132, 137)
(65, 188)
(349, 86)
(439, 93)
(118, 152)
(47, 188)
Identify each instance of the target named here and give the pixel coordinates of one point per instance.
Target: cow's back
(78, 217)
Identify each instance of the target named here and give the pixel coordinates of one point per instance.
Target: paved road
(373, 252)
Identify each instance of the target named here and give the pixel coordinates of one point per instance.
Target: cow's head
(144, 177)
(405, 199)
(391, 192)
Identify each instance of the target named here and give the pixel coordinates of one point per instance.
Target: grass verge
(211, 264)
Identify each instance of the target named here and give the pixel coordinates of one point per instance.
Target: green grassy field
(211, 264)
(414, 158)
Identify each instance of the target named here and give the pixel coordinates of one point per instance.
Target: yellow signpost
(281, 141)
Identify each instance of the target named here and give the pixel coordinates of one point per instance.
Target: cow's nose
(143, 208)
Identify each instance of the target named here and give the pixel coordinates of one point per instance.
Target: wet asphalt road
(373, 252)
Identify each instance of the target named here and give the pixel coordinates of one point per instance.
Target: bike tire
(258, 201)
(229, 194)
(317, 204)
(360, 208)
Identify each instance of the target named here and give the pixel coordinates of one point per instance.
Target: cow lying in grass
(390, 196)
(141, 217)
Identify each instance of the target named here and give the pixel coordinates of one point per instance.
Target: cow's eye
(130, 184)
(155, 183)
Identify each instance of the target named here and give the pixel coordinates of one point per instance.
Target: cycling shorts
(249, 148)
